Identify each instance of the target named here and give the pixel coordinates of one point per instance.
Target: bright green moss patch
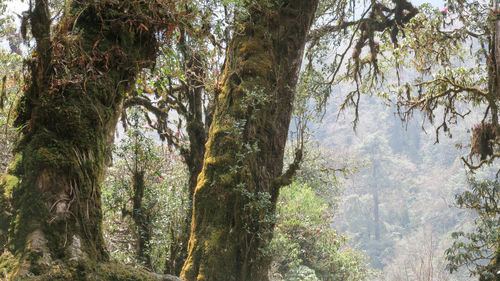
(16, 166)
(7, 184)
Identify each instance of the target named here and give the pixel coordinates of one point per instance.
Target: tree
(377, 147)
(479, 250)
(447, 90)
(79, 74)
(141, 154)
(304, 245)
(238, 187)
(182, 104)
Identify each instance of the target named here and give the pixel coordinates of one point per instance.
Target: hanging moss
(483, 136)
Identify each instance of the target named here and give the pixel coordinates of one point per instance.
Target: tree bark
(494, 265)
(494, 72)
(376, 203)
(142, 221)
(236, 193)
(496, 50)
(50, 198)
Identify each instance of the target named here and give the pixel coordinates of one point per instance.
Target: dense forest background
(376, 197)
(398, 205)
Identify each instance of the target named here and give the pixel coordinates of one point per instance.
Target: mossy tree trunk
(494, 75)
(50, 199)
(142, 220)
(236, 193)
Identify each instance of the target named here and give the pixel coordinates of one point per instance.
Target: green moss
(251, 47)
(226, 179)
(11, 269)
(119, 272)
(56, 273)
(220, 159)
(8, 182)
(257, 65)
(7, 264)
(16, 166)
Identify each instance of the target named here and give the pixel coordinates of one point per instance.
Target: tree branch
(286, 178)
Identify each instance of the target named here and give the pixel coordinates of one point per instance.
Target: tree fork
(196, 130)
(235, 198)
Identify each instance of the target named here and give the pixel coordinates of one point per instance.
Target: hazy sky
(18, 6)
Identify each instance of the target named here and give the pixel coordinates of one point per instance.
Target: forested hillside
(398, 207)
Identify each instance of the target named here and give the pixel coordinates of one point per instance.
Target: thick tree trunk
(50, 199)
(235, 198)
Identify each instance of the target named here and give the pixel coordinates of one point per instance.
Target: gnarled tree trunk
(50, 199)
(235, 198)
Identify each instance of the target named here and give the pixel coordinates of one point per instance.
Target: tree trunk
(142, 221)
(494, 72)
(494, 265)
(50, 198)
(196, 131)
(496, 50)
(376, 203)
(236, 193)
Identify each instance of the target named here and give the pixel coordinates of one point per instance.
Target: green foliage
(11, 81)
(304, 245)
(477, 248)
(376, 215)
(165, 197)
(443, 67)
(10, 84)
